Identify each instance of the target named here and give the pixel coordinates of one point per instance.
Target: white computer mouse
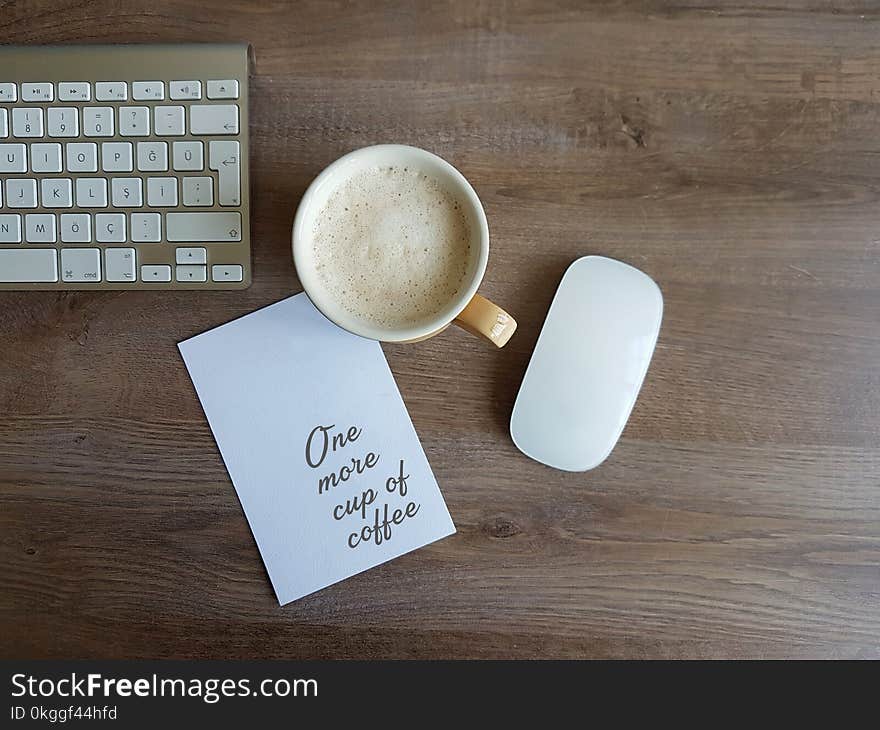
(588, 365)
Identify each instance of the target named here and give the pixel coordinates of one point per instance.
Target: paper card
(318, 443)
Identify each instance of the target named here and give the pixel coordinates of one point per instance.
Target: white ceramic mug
(467, 309)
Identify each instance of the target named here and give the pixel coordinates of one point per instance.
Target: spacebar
(203, 226)
(28, 265)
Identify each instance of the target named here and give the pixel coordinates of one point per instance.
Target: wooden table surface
(728, 149)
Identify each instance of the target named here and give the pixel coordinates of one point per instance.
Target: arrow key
(226, 273)
(191, 273)
(191, 256)
(159, 273)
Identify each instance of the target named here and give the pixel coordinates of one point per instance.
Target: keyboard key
(97, 121)
(74, 91)
(169, 120)
(198, 191)
(76, 228)
(134, 121)
(116, 156)
(185, 227)
(162, 192)
(80, 264)
(146, 227)
(46, 157)
(222, 272)
(27, 122)
(227, 89)
(82, 157)
(10, 228)
(213, 119)
(63, 121)
(126, 192)
(21, 193)
(152, 156)
(119, 264)
(186, 90)
(148, 90)
(111, 91)
(42, 91)
(91, 192)
(110, 227)
(13, 158)
(28, 265)
(191, 256)
(155, 273)
(8, 93)
(40, 228)
(191, 273)
(56, 192)
(188, 156)
(224, 157)
(4, 123)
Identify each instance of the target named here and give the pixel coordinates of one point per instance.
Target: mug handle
(485, 319)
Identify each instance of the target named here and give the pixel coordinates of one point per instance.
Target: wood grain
(727, 148)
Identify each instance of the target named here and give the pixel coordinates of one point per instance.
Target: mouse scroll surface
(588, 365)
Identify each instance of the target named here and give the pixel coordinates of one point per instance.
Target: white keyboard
(124, 167)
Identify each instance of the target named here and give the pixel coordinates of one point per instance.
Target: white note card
(318, 443)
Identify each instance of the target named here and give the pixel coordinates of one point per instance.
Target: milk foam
(392, 246)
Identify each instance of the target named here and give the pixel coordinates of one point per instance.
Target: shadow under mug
(467, 309)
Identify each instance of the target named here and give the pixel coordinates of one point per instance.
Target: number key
(98, 121)
(63, 121)
(27, 122)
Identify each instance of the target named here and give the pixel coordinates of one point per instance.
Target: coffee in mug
(391, 242)
(391, 245)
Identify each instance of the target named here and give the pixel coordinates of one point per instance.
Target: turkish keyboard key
(28, 265)
(213, 227)
(213, 119)
(80, 265)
